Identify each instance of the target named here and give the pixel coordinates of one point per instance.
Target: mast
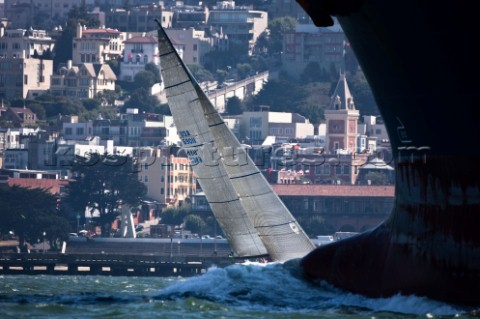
(238, 193)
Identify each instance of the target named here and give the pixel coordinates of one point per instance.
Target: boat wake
(279, 287)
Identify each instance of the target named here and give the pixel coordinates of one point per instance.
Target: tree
(63, 45)
(376, 178)
(200, 73)
(31, 212)
(141, 99)
(221, 75)
(151, 67)
(144, 79)
(234, 106)
(38, 109)
(103, 182)
(281, 95)
(244, 70)
(313, 225)
(362, 94)
(313, 73)
(195, 224)
(278, 28)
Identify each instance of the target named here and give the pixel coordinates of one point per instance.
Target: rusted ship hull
(423, 68)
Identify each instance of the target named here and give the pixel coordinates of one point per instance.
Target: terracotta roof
(141, 40)
(52, 185)
(101, 31)
(21, 110)
(334, 190)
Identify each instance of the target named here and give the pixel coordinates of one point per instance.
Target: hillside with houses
(82, 82)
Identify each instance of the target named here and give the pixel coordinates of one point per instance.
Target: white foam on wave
(272, 287)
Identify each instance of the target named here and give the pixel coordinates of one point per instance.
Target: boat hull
(424, 73)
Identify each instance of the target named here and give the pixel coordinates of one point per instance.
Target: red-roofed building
(53, 186)
(344, 207)
(97, 45)
(138, 52)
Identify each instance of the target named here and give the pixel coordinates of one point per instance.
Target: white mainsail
(252, 216)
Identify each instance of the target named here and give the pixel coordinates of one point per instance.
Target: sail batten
(254, 219)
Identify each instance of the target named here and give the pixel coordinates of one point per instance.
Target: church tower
(341, 117)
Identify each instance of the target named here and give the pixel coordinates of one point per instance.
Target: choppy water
(238, 291)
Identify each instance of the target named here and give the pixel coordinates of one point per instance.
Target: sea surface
(248, 290)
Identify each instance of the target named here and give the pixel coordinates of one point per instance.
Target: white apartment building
(193, 44)
(97, 45)
(25, 63)
(22, 43)
(256, 126)
(242, 25)
(139, 51)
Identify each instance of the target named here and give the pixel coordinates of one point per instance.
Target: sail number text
(187, 139)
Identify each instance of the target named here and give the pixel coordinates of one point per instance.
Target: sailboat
(253, 218)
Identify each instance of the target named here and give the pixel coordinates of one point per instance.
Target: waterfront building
(350, 208)
(256, 126)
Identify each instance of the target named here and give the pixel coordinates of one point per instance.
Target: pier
(107, 264)
(122, 257)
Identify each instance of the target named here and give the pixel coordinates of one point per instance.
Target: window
(326, 169)
(194, 47)
(338, 169)
(68, 131)
(80, 130)
(25, 79)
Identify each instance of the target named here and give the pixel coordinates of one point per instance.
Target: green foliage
(104, 182)
(377, 178)
(195, 224)
(278, 28)
(234, 106)
(221, 75)
(244, 70)
(174, 216)
(144, 79)
(63, 45)
(29, 213)
(200, 73)
(362, 94)
(281, 96)
(313, 73)
(141, 99)
(38, 109)
(151, 67)
(312, 225)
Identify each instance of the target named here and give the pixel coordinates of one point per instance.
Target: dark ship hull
(423, 67)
